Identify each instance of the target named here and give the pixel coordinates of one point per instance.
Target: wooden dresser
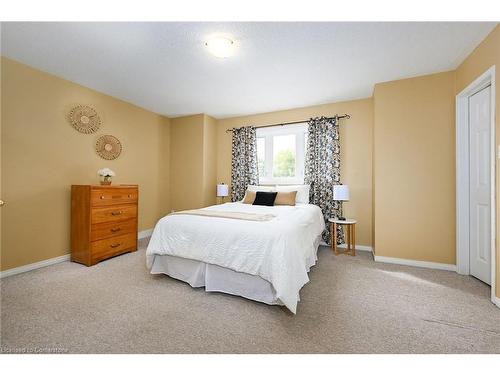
(103, 221)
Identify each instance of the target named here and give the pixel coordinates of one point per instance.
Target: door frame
(462, 176)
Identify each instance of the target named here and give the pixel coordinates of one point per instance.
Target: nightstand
(350, 225)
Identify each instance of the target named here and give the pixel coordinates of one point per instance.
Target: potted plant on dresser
(106, 176)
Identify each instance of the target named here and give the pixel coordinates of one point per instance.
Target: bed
(267, 261)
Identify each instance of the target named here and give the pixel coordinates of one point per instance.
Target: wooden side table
(350, 225)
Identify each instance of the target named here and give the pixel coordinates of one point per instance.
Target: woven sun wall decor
(108, 147)
(85, 119)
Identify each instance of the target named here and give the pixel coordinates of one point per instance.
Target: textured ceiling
(165, 67)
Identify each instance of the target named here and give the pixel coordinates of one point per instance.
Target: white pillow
(258, 188)
(302, 191)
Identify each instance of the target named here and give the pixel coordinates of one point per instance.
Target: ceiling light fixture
(220, 46)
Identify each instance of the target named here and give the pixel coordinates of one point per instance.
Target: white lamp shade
(340, 192)
(222, 190)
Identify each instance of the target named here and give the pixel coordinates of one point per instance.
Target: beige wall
(192, 160)
(42, 155)
(164, 165)
(481, 59)
(186, 162)
(209, 161)
(414, 164)
(356, 156)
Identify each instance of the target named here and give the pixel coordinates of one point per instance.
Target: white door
(480, 194)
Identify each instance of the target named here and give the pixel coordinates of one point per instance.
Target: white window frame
(299, 130)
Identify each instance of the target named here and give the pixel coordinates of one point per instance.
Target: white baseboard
(48, 262)
(344, 246)
(496, 301)
(358, 247)
(145, 233)
(34, 266)
(416, 263)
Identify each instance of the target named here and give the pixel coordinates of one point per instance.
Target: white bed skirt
(219, 279)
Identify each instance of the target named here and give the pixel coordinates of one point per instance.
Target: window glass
(284, 152)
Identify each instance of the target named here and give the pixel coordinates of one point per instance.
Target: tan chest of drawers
(103, 222)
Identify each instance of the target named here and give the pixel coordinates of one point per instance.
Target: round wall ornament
(108, 147)
(85, 119)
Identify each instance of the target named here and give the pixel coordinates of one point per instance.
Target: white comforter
(275, 250)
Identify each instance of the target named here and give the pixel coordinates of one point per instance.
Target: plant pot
(106, 180)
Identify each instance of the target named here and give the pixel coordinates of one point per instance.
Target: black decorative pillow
(265, 198)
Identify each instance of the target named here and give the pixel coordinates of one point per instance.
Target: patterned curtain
(244, 161)
(322, 169)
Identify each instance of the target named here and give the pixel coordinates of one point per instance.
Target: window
(281, 153)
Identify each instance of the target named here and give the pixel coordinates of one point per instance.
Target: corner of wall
(193, 159)
(209, 160)
(164, 168)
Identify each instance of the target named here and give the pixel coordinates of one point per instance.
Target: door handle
(2, 203)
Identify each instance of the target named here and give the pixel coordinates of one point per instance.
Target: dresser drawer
(116, 213)
(109, 247)
(113, 196)
(111, 229)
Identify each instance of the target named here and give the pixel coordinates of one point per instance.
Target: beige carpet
(351, 305)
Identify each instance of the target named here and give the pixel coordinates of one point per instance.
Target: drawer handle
(130, 195)
(114, 230)
(116, 213)
(115, 245)
(102, 196)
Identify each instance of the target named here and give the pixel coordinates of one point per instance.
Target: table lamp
(341, 193)
(222, 191)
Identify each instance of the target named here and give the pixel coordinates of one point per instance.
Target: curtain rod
(295, 122)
